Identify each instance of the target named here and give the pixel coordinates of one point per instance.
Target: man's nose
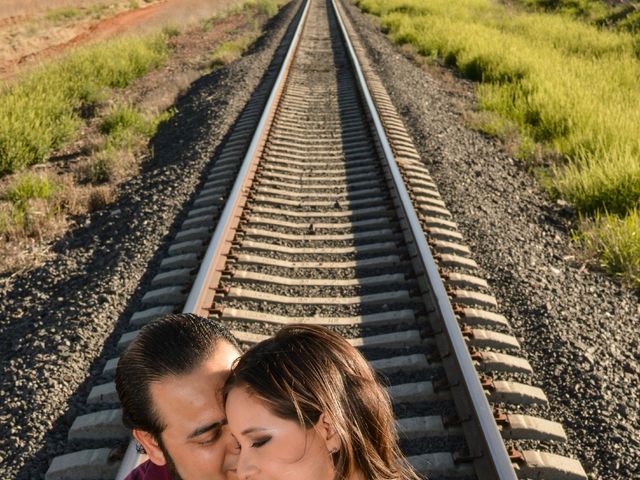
(232, 445)
(245, 467)
(231, 451)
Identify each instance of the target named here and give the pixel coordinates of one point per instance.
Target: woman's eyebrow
(253, 429)
(207, 428)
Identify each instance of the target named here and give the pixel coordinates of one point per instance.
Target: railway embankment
(579, 327)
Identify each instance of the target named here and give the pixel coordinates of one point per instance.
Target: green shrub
(616, 241)
(106, 165)
(28, 186)
(159, 120)
(29, 205)
(264, 7)
(124, 123)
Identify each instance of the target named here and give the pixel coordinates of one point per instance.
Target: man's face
(196, 439)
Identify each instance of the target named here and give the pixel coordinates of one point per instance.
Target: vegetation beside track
(622, 15)
(233, 49)
(43, 111)
(78, 112)
(566, 89)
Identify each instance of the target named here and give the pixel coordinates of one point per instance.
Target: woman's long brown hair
(304, 371)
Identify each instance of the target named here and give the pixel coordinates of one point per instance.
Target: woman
(306, 405)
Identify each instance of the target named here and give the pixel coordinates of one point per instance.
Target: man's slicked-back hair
(173, 345)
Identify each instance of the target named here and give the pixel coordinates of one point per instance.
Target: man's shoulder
(149, 471)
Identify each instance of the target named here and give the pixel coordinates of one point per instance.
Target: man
(169, 382)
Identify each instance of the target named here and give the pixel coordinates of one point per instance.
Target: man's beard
(173, 471)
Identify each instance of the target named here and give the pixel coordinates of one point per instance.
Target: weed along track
(319, 210)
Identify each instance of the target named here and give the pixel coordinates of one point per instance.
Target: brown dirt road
(136, 20)
(104, 29)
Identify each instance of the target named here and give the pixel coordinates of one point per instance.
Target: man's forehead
(195, 396)
(225, 354)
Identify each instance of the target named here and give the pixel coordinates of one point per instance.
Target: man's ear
(150, 444)
(327, 430)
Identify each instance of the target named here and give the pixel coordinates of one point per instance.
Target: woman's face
(272, 448)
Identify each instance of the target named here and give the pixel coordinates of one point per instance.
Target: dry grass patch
(13, 8)
(100, 197)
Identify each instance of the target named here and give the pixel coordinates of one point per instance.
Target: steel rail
(203, 281)
(491, 436)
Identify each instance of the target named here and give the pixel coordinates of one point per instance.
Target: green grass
(631, 22)
(623, 16)
(126, 131)
(585, 9)
(254, 8)
(62, 15)
(568, 87)
(263, 7)
(615, 239)
(124, 122)
(231, 50)
(29, 201)
(122, 119)
(28, 186)
(39, 113)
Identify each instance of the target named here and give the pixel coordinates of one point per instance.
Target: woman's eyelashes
(260, 442)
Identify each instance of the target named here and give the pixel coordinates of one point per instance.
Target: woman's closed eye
(260, 442)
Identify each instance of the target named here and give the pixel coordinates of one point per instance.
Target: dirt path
(100, 30)
(104, 29)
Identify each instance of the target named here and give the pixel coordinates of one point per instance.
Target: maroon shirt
(149, 471)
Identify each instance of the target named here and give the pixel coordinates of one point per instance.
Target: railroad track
(319, 210)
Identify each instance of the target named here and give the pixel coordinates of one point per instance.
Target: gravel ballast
(61, 321)
(578, 328)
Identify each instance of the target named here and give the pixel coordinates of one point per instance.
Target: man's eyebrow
(207, 428)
